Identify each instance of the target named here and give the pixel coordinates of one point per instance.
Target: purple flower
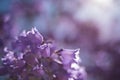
(6, 31)
(31, 58)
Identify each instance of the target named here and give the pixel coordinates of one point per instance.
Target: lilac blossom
(31, 58)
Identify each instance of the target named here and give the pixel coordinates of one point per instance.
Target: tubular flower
(31, 58)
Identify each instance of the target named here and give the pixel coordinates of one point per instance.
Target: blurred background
(91, 25)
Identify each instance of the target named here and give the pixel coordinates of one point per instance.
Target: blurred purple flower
(7, 31)
(31, 58)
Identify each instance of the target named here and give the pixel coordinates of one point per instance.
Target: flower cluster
(31, 58)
